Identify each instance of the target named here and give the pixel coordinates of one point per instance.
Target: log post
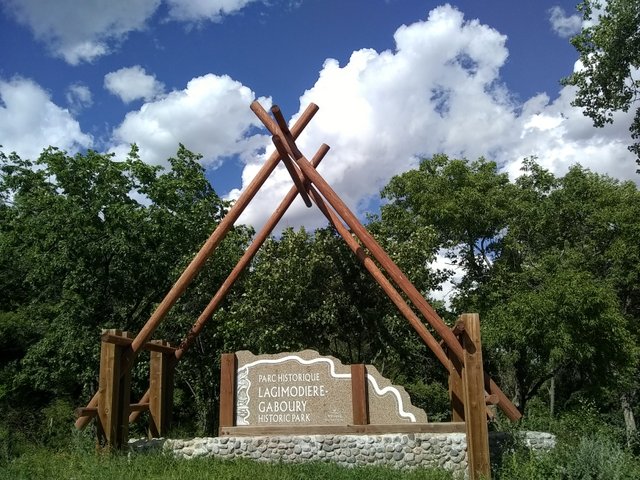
(474, 400)
(456, 394)
(359, 398)
(161, 372)
(228, 367)
(114, 392)
(199, 260)
(376, 251)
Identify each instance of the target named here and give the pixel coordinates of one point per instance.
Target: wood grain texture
(474, 400)
(228, 366)
(446, 427)
(359, 397)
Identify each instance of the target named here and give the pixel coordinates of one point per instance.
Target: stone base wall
(444, 450)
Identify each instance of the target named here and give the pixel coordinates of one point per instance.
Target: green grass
(44, 464)
(594, 457)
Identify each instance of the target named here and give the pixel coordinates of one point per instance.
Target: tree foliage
(308, 290)
(610, 56)
(88, 243)
(552, 264)
(549, 263)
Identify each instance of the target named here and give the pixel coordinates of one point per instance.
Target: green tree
(546, 261)
(88, 243)
(308, 290)
(610, 55)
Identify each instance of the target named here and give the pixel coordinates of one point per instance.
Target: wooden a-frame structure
(111, 404)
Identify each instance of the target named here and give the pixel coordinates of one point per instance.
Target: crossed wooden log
(312, 188)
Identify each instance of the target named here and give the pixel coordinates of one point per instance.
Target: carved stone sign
(305, 388)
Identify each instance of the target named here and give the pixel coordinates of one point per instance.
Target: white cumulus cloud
(210, 116)
(438, 91)
(30, 121)
(84, 30)
(197, 10)
(78, 97)
(133, 83)
(564, 25)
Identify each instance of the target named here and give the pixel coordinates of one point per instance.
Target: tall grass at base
(44, 464)
(594, 457)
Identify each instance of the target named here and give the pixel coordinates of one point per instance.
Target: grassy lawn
(44, 464)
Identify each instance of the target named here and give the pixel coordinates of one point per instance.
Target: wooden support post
(220, 295)
(359, 398)
(374, 248)
(456, 392)
(244, 261)
(161, 370)
(114, 393)
(474, 401)
(209, 246)
(228, 366)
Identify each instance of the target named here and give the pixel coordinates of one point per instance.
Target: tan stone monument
(307, 389)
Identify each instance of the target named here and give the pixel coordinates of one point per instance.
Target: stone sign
(305, 388)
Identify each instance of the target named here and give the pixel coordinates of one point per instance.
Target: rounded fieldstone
(200, 451)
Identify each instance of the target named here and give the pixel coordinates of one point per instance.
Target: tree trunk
(629, 419)
(552, 395)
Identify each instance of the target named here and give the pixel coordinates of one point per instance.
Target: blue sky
(394, 79)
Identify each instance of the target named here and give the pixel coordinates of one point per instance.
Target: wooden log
(135, 414)
(380, 255)
(216, 237)
(161, 373)
(458, 328)
(399, 278)
(284, 129)
(403, 307)
(209, 246)
(292, 169)
(139, 407)
(153, 345)
(116, 337)
(359, 397)
(394, 296)
(244, 261)
(474, 401)
(228, 367)
(160, 346)
(456, 393)
(434, 427)
(86, 412)
(114, 394)
(491, 399)
(380, 278)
